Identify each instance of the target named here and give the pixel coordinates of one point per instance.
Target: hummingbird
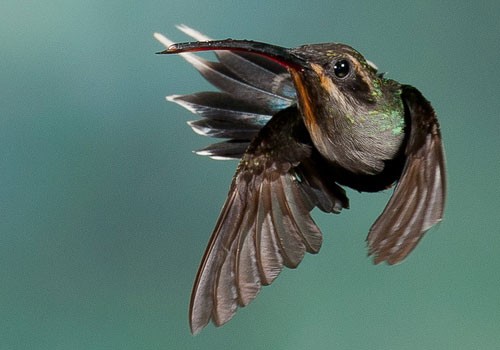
(304, 123)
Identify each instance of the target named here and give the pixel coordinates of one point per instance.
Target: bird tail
(251, 90)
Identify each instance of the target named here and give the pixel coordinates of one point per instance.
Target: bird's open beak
(278, 54)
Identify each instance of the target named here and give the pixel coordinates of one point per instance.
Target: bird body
(304, 122)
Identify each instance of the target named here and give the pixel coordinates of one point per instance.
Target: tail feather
(224, 79)
(253, 89)
(231, 149)
(223, 129)
(222, 106)
(254, 69)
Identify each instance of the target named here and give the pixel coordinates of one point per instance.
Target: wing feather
(247, 274)
(298, 211)
(225, 289)
(265, 224)
(291, 246)
(268, 251)
(417, 203)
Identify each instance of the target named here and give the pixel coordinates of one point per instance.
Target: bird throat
(368, 135)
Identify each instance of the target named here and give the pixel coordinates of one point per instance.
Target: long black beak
(278, 54)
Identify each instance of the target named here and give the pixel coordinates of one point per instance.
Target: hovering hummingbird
(304, 122)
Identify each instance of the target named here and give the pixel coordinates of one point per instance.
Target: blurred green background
(105, 212)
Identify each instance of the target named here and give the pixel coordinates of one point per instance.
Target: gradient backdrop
(105, 212)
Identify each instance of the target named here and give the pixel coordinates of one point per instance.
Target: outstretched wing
(418, 199)
(265, 223)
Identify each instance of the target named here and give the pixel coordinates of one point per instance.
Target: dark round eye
(341, 68)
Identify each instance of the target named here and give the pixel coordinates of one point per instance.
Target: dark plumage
(305, 122)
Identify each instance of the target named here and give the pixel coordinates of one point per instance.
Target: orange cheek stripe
(305, 104)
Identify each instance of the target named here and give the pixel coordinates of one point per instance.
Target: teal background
(105, 212)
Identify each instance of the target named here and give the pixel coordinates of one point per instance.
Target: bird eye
(341, 68)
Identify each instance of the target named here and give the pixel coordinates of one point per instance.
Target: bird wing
(418, 199)
(265, 223)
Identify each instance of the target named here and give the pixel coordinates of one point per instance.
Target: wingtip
(196, 325)
(195, 330)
